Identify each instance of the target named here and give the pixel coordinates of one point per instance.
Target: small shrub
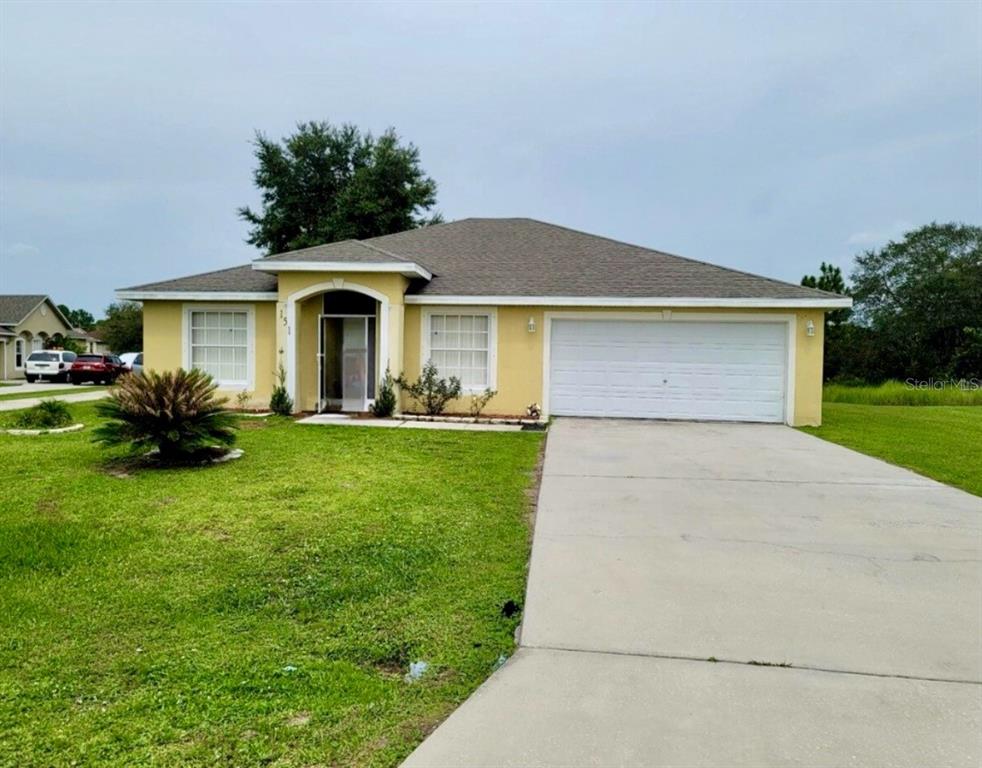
(431, 392)
(175, 412)
(480, 402)
(281, 403)
(48, 414)
(385, 398)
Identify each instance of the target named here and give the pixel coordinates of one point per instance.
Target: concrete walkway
(734, 595)
(84, 394)
(342, 420)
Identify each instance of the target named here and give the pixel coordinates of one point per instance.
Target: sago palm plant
(175, 412)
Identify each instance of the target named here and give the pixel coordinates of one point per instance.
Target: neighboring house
(90, 341)
(27, 322)
(580, 324)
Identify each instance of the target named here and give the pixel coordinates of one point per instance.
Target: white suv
(50, 364)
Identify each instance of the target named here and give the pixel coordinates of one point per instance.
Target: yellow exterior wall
(163, 341)
(808, 375)
(392, 286)
(33, 325)
(520, 355)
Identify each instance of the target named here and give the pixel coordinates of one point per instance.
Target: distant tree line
(917, 309)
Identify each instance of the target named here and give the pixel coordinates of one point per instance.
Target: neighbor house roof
(14, 308)
(81, 333)
(518, 261)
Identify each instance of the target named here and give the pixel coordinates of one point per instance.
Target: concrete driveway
(733, 594)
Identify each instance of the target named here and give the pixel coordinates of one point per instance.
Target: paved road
(82, 393)
(707, 594)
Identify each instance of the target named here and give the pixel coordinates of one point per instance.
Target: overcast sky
(763, 137)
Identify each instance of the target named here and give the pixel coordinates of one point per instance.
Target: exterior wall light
(810, 328)
(531, 325)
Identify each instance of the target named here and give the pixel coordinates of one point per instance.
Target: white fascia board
(645, 301)
(197, 295)
(409, 269)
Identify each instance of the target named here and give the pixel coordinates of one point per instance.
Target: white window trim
(21, 342)
(250, 310)
(790, 322)
(491, 313)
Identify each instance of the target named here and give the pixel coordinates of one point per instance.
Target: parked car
(54, 364)
(132, 361)
(103, 369)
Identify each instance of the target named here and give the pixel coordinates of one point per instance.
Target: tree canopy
(923, 297)
(917, 311)
(326, 183)
(830, 279)
(79, 318)
(122, 329)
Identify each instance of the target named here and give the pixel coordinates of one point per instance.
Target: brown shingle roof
(15, 307)
(355, 251)
(516, 257)
(525, 257)
(244, 279)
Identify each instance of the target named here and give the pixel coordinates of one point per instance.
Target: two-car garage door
(729, 371)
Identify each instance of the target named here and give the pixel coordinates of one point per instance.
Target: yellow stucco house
(579, 324)
(30, 323)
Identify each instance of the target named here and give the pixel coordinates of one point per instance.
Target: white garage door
(668, 369)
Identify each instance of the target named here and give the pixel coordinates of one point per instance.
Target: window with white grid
(460, 346)
(220, 345)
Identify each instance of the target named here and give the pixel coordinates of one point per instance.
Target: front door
(346, 363)
(354, 364)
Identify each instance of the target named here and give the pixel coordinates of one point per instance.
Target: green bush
(175, 412)
(385, 398)
(48, 414)
(431, 392)
(480, 402)
(904, 393)
(281, 403)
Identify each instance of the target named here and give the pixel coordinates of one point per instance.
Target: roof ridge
(681, 258)
(310, 248)
(384, 252)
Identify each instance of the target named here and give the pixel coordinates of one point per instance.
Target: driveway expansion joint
(754, 663)
(701, 479)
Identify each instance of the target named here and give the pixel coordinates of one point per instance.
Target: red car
(102, 369)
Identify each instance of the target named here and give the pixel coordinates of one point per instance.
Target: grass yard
(941, 442)
(899, 393)
(261, 612)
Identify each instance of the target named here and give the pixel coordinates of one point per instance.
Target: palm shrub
(48, 414)
(385, 399)
(430, 391)
(175, 412)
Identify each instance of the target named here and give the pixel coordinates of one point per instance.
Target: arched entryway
(337, 344)
(347, 351)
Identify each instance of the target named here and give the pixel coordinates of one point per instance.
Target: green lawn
(48, 392)
(261, 612)
(937, 441)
